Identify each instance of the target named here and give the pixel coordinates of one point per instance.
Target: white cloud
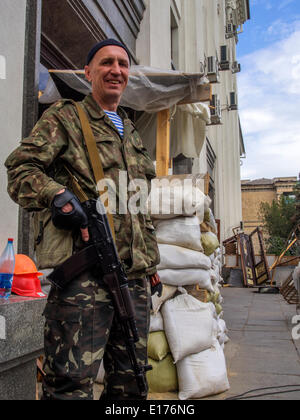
(269, 97)
(284, 3)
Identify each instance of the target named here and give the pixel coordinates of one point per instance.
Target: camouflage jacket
(37, 171)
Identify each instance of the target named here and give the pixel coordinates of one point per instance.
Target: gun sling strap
(95, 162)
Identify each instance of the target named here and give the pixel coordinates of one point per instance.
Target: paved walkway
(261, 352)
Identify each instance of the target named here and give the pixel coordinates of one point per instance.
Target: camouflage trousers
(81, 329)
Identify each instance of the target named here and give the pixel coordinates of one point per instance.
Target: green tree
(278, 222)
(296, 217)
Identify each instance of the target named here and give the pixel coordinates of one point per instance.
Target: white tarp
(150, 90)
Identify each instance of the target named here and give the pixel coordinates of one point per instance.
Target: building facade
(259, 191)
(194, 36)
(38, 35)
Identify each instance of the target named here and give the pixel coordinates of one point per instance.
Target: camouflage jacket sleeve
(29, 183)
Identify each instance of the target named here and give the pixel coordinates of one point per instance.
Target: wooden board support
(203, 94)
(163, 143)
(207, 182)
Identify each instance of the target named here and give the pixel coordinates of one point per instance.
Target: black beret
(105, 43)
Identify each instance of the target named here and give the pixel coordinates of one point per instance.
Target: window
(174, 43)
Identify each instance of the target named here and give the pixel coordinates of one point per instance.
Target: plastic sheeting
(148, 89)
(153, 90)
(188, 130)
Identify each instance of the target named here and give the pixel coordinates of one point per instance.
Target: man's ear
(87, 72)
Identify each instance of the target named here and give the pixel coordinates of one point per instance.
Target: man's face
(108, 72)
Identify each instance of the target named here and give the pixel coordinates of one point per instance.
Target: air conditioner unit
(215, 110)
(213, 74)
(236, 67)
(202, 67)
(233, 102)
(230, 30)
(224, 63)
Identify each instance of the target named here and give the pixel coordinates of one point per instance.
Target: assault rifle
(101, 252)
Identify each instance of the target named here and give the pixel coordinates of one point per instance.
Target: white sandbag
(156, 322)
(188, 325)
(212, 258)
(172, 256)
(213, 276)
(187, 277)
(218, 253)
(181, 231)
(203, 374)
(101, 373)
(169, 199)
(296, 278)
(222, 332)
(168, 293)
(212, 221)
(214, 312)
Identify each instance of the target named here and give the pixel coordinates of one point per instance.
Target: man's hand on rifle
(68, 208)
(156, 285)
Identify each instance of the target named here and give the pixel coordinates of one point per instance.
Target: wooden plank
(163, 143)
(207, 182)
(204, 94)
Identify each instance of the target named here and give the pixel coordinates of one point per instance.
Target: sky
(269, 89)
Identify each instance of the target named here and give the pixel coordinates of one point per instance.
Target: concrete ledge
(21, 342)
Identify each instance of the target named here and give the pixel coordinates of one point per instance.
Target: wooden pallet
(289, 292)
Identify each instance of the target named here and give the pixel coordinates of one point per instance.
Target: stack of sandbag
(217, 281)
(211, 247)
(163, 376)
(182, 266)
(189, 311)
(194, 335)
(177, 221)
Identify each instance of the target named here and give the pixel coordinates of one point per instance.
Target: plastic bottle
(7, 266)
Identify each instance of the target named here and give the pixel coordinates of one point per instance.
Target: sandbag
(172, 256)
(219, 309)
(158, 346)
(197, 293)
(163, 376)
(222, 332)
(296, 278)
(187, 277)
(188, 325)
(156, 322)
(203, 374)
(210, 242)
(180, 231)
(168, 292)
(170, 199)
(211, 221)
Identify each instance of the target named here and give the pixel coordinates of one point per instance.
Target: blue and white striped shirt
(117, 121)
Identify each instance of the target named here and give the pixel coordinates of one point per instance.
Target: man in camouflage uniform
(81, 327)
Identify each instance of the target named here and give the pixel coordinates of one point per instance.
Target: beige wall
(251, 204)
(154, 42)
(255, 194)
(12, 33)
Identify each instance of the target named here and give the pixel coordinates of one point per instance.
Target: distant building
(262, 191)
